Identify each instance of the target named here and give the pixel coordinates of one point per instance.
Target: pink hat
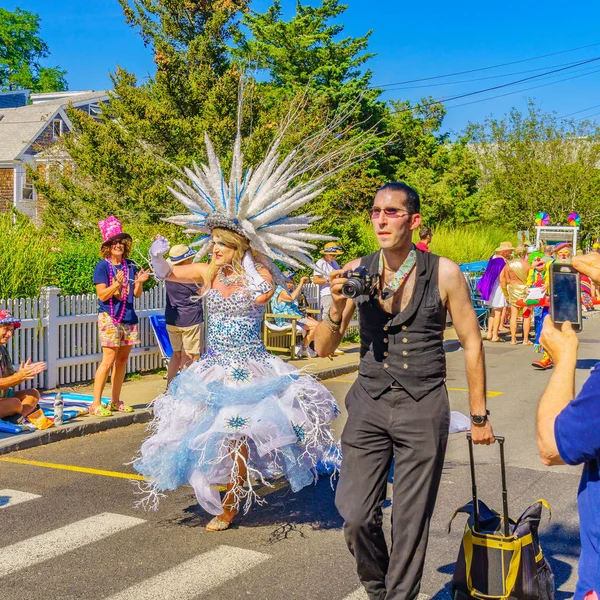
(112, 230)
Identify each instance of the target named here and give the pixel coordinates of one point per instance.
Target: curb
(76, 429)
(86, 427)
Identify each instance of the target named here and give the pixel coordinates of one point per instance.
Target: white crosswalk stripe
(59, 541)
(360, 594)
(13, 497)
(196, 576)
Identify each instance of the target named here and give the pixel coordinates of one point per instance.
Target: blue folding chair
(159, 326)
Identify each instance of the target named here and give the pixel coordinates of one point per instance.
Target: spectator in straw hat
(184, 315)
(326, 266)
(15, 406)
(117, 282)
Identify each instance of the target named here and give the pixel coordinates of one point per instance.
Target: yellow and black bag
(499, 558)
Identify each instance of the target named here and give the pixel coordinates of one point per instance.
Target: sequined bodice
(233, 328)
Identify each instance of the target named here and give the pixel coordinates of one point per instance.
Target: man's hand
(483, 434)
(562, 343)
(589, 264)
(338, 300)
(28, 371)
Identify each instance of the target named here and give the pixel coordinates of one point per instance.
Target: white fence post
(51, 306)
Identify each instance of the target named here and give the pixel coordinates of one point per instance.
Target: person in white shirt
(327, 265)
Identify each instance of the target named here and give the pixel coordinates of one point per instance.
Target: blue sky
(412, 41)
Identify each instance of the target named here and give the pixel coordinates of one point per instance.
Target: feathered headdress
(257, 203)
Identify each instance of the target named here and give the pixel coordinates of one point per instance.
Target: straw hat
(332, 248)
(504, 246)
(179, 253)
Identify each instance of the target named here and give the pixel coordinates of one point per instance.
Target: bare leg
(108, 359)
(187, 360)
(526, 329)
(174, 365)
(501, 326)
(118, 374)
(514, 316)
(28, 399)
(497, 316)
(490, 325)
(230, 508)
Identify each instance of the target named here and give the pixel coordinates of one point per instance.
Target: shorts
(325, 304)
(7, 393)
(497, 298)
(114, 335)
(187, 339)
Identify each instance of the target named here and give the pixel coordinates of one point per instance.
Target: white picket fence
(63, 332)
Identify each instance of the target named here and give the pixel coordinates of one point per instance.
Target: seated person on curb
(15, 406)
(285, 302)
(568, 431)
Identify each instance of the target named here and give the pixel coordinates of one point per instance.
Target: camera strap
(401, 274)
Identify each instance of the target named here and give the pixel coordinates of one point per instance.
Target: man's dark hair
(424, 232)
(412, 202)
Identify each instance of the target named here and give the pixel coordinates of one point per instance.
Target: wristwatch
(480, 419)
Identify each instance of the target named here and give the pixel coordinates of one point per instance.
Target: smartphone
(565, 295)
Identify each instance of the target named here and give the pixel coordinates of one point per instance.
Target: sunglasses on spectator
(390, 212)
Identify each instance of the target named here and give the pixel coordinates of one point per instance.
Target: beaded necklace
(401, 274)
(231, 279)
(125, 269)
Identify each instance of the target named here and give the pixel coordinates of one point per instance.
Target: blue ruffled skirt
(212, 416)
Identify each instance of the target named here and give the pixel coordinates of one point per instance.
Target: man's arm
(457, 298)
(562, 347)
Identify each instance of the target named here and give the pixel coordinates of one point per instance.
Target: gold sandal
(217, 525)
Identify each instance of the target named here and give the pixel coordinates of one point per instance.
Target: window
(28, 189)
(57, 128)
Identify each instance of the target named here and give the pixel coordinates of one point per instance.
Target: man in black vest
(398, 406)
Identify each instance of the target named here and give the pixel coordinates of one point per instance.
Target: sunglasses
(391, 213)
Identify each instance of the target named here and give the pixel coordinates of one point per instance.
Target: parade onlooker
(491, 291)
(15, 405)
(513, 280)
(117, 282)
(425, 237)
(398, 407)
(327, 265)
(285, 302)
(568, 431)
(183, 315)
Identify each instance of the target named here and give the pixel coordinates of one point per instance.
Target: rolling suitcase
(500, 558)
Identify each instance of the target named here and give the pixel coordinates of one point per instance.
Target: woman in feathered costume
(240, 416)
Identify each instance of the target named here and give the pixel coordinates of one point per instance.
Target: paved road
(73, 534)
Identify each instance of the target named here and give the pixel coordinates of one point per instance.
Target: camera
(360, 283)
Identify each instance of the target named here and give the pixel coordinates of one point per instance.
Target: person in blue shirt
(568, 431)
(285, 302)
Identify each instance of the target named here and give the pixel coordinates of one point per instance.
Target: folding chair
(159, 326)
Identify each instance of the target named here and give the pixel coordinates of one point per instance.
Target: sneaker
(309, 353)
(542, 365)
(298, 351)
(339, 352)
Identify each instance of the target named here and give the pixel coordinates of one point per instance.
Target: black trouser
(415, 435)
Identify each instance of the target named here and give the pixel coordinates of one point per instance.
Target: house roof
(19, 127)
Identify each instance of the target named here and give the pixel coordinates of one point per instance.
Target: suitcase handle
(500, 440)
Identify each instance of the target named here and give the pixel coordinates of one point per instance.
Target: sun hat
(7, 319)
(504, 246)
(332, 248)
(562, 246)
(112, 230)
(288, 275)
(179, 253)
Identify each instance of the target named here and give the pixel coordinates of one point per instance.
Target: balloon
(574, 219)
(542, 218)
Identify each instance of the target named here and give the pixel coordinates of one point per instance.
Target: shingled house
(26, 133)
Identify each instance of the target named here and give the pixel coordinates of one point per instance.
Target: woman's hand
(120, 277)
(160, 246)
(304, 281)
(142, 275)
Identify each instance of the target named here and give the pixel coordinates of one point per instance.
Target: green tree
(21, 49)
(531, 161)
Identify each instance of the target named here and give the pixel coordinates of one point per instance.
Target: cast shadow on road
(284, 510)
(587, 363)
(558, 542)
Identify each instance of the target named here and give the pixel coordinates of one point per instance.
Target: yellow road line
(263, 491)
(47, 465)
(490, 394)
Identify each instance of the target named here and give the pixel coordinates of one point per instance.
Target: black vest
(405, 349)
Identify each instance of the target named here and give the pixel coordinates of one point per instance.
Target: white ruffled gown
(237, 395)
